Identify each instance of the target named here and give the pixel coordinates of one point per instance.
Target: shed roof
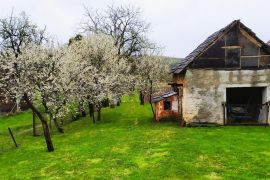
(210, 41)
(163, 96)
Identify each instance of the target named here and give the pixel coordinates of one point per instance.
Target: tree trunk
(83, 113)
(99, 114)
(45, 127)
(47, 135)
(91, 112)
(153, 111)
(106, 102)
(118, 101)
(50, 123)
(150, 99)
(82, 110)
(59, 129)
(141, 98)
(34, 124)
(112, 106)
(75, 116)
(17, 107)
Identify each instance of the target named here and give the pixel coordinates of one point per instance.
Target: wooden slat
(231, 47)
(255, 56)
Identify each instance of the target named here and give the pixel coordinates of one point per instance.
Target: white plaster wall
(205, 90)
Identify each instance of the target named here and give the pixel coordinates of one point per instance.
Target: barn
(226, 79)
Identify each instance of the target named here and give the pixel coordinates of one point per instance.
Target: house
(166, 105)
(226, 79)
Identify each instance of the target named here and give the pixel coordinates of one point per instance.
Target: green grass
(127, 144)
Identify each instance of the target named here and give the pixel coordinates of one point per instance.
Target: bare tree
(18, 31)
(124, 24)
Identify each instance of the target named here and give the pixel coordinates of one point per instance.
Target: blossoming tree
(102, 73)
(151, 71)
(31, 76)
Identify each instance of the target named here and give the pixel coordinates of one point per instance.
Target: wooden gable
(234, 46)
(235, 49)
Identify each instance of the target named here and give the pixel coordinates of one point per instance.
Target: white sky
(178, 25)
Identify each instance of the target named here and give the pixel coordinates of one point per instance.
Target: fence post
(10, 132)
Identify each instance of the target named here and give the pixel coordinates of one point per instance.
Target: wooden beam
(240, 59)
(259, 54)
(220, 37)
(211, 58)
(225, 44)
(255, 56)
(250, 38)
(231, 47)
(249, 56)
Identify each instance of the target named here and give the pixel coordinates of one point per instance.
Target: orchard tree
(128, 30)
(100, 72)
(124, 24)
(18, 31)
(31, 76)
(152, 70)
(52, 85)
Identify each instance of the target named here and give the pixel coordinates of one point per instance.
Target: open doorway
(244, 105)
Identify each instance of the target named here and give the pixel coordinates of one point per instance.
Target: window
(167, 105)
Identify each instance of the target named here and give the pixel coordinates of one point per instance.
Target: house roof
(164, 96)
(210, 41)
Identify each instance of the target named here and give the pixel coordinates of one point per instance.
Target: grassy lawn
(127, 144)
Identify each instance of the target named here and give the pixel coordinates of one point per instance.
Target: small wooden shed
(166, 105)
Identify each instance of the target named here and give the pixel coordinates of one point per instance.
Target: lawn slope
(128, 144)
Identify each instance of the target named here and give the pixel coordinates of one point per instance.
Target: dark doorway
(167, 105)
(243, 104)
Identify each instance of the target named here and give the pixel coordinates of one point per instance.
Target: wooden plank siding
(236, 42)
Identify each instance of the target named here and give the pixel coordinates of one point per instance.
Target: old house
(226, 79)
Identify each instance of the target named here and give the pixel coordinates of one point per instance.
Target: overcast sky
(177, 25)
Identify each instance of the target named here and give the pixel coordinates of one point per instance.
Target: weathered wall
(205, 90)
(178, 78)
